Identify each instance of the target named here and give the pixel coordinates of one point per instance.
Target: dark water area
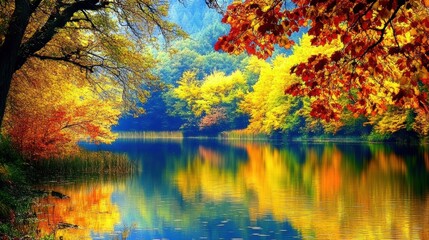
(208, 189)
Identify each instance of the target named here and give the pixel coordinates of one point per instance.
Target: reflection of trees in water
(89, 207)
(330, 190)
(358, 190)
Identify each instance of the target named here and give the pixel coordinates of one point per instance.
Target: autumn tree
(51, 107)
(375, 35)
(270, 110)
(208, 102)
(104, 38)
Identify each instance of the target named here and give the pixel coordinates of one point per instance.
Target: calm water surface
(243, 190)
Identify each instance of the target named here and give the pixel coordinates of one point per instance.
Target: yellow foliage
(267, 105)
(421, 123)
(51, 109)
(390, 121)
(215, 89)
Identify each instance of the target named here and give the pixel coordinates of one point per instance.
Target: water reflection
(90, 207)
(212, 190)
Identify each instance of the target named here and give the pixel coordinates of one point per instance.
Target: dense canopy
(383, 61)
(103, 38)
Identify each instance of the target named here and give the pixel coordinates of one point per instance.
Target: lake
(208, 189)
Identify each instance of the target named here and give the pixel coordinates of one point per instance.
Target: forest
(281, 69)
(84, 71)
(325, 79)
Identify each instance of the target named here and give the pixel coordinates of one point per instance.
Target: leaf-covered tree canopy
(51, 107)
(102, 37)
(385, 50)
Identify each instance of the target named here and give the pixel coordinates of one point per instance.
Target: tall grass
(86, 163)
(175, 135)
(179, 136)
(243, 135)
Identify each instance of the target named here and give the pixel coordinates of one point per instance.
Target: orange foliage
(217, 116)
(39, 136)
(51, 108)
(384, 59)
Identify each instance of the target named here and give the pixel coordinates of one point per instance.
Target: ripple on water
(255, 228)
(260, 235)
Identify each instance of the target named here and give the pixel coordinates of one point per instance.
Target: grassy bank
(84, 163)
(401, 136)
(151, 135)
(15, 193)
(243, 135)
(17, 176)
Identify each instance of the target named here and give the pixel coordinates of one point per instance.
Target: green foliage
(410, 120)
(15, 194)
(172, 65)
(393, 120)
(198, 102)
(196, 52)
(48, 237)
(375, 136)
(8, 154)
(356, 127)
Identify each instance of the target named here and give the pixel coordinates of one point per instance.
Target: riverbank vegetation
(85, 163)
(14, 191)
(18, 175)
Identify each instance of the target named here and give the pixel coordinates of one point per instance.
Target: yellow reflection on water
(204, 174)
(89, 207)
(323, 191)
(326, 196)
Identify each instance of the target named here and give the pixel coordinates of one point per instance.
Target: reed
(178, 135)
(86, 163)
(243, 134)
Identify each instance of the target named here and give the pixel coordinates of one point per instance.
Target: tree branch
(383, 30)
(56, 20)
(67, 59)
(35, 4)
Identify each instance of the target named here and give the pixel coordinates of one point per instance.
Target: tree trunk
(6, 72)
(13, 54)
(10, 49)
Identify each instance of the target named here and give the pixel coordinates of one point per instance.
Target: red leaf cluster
(375, 35)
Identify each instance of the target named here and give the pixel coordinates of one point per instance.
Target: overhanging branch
(67, 59)
(56, 20)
